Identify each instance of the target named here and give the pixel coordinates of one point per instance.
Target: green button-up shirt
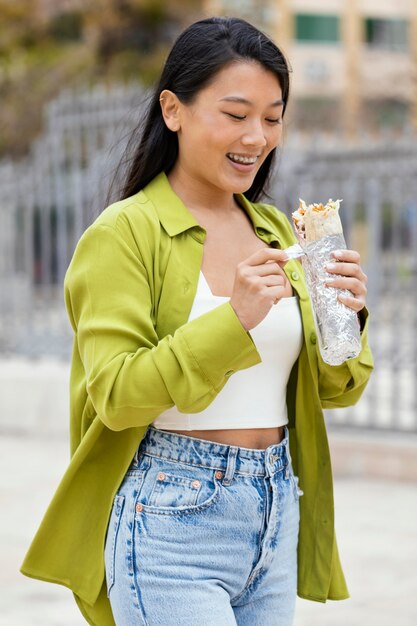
(129, 290)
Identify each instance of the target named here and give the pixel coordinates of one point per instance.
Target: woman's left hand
(351, 276)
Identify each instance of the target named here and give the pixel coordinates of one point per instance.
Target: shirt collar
(176, 218)
(172, 212)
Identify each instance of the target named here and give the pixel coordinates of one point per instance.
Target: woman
(195, 369)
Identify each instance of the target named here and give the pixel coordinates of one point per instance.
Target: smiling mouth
(245, 160)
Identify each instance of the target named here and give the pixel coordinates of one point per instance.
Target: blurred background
(74, 76)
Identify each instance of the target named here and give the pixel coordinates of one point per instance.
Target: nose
(254, 136)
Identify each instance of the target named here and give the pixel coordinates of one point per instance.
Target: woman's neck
(199, 195)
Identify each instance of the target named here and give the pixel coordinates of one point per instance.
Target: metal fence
(48, 200)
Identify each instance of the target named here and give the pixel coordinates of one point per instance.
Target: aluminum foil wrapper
(337, 326)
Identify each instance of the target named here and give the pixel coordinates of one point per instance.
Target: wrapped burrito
(319, 231)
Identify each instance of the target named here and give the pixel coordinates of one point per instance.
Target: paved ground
(376, 525)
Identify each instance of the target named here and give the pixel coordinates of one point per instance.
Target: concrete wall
(34, 397)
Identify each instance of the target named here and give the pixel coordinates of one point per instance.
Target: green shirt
(129, 290)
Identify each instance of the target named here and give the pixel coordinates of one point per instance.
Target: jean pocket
(172, 488)
(110, 545)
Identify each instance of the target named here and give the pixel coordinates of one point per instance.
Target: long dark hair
(198, 54)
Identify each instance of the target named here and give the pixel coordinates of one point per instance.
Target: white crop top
(254, 397)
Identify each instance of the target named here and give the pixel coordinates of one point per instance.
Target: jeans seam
(135, 585)
(115, 519)
(253, 571)
(257, 572)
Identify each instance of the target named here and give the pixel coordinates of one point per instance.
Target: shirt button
(139, 507)
(229, 373)
(294, 275)
(313, 337)
(196, 484)
(218, 474)
(161, 476)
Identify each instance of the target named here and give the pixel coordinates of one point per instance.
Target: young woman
(196, 386)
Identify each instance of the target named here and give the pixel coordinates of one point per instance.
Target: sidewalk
(376, 530)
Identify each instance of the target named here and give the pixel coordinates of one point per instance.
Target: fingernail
(329, 281)
(336, 253)
(331, 266)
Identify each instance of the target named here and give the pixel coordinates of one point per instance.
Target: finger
(351, 284)
(257, 283)
(266, 269)
(266, 254)
(273, 280)
(275, 294)
(357, 304)
(350, 256)
(346, 269)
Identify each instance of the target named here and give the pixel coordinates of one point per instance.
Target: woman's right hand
(260, 282)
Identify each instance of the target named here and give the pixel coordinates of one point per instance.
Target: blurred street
(375, 523)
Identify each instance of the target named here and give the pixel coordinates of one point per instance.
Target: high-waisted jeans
(204, 534)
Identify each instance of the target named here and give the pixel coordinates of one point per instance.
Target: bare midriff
(259, 438)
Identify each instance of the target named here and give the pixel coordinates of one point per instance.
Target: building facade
(354, 62)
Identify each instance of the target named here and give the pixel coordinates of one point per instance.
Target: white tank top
(254, 397)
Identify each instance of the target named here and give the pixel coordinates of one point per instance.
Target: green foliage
(128, 64)
(67, 26)
(104, 40)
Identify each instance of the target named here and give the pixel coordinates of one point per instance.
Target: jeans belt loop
(231, 465)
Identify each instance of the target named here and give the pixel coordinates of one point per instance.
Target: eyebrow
(244, 101)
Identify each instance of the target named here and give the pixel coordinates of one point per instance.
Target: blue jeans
(204, 534)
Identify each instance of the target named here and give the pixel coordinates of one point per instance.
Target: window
(317, 28)
(312, 114)
(387, 34)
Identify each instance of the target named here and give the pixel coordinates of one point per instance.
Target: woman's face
(231, 126)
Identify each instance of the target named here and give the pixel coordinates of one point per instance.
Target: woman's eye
(243, 117)
(236, 117)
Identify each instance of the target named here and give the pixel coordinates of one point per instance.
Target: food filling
(322, 212)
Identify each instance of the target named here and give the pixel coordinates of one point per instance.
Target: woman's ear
(170, 107)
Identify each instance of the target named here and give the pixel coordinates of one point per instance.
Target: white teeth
(242, 159)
